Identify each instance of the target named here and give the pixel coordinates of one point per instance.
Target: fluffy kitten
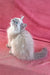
(21, 42)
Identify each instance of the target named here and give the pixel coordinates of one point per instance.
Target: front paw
(8, 46)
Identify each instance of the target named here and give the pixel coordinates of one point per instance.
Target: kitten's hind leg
(10, 51)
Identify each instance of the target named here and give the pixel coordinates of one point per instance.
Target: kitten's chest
(12, 32)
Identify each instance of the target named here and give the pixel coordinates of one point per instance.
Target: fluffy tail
(41, 54)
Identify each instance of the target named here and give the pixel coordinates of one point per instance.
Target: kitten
(21, 42)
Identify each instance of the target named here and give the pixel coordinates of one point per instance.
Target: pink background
(37, 18)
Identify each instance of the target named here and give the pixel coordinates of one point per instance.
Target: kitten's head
(18, 24)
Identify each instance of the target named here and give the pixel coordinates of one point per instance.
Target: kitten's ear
(22, 17)
(23, 26)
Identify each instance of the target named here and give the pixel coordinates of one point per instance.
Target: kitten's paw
(10, 52)
(8, 46)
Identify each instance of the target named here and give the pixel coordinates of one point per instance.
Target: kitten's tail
(43, 53)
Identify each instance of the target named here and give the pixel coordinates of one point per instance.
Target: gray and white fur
(21, 42)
